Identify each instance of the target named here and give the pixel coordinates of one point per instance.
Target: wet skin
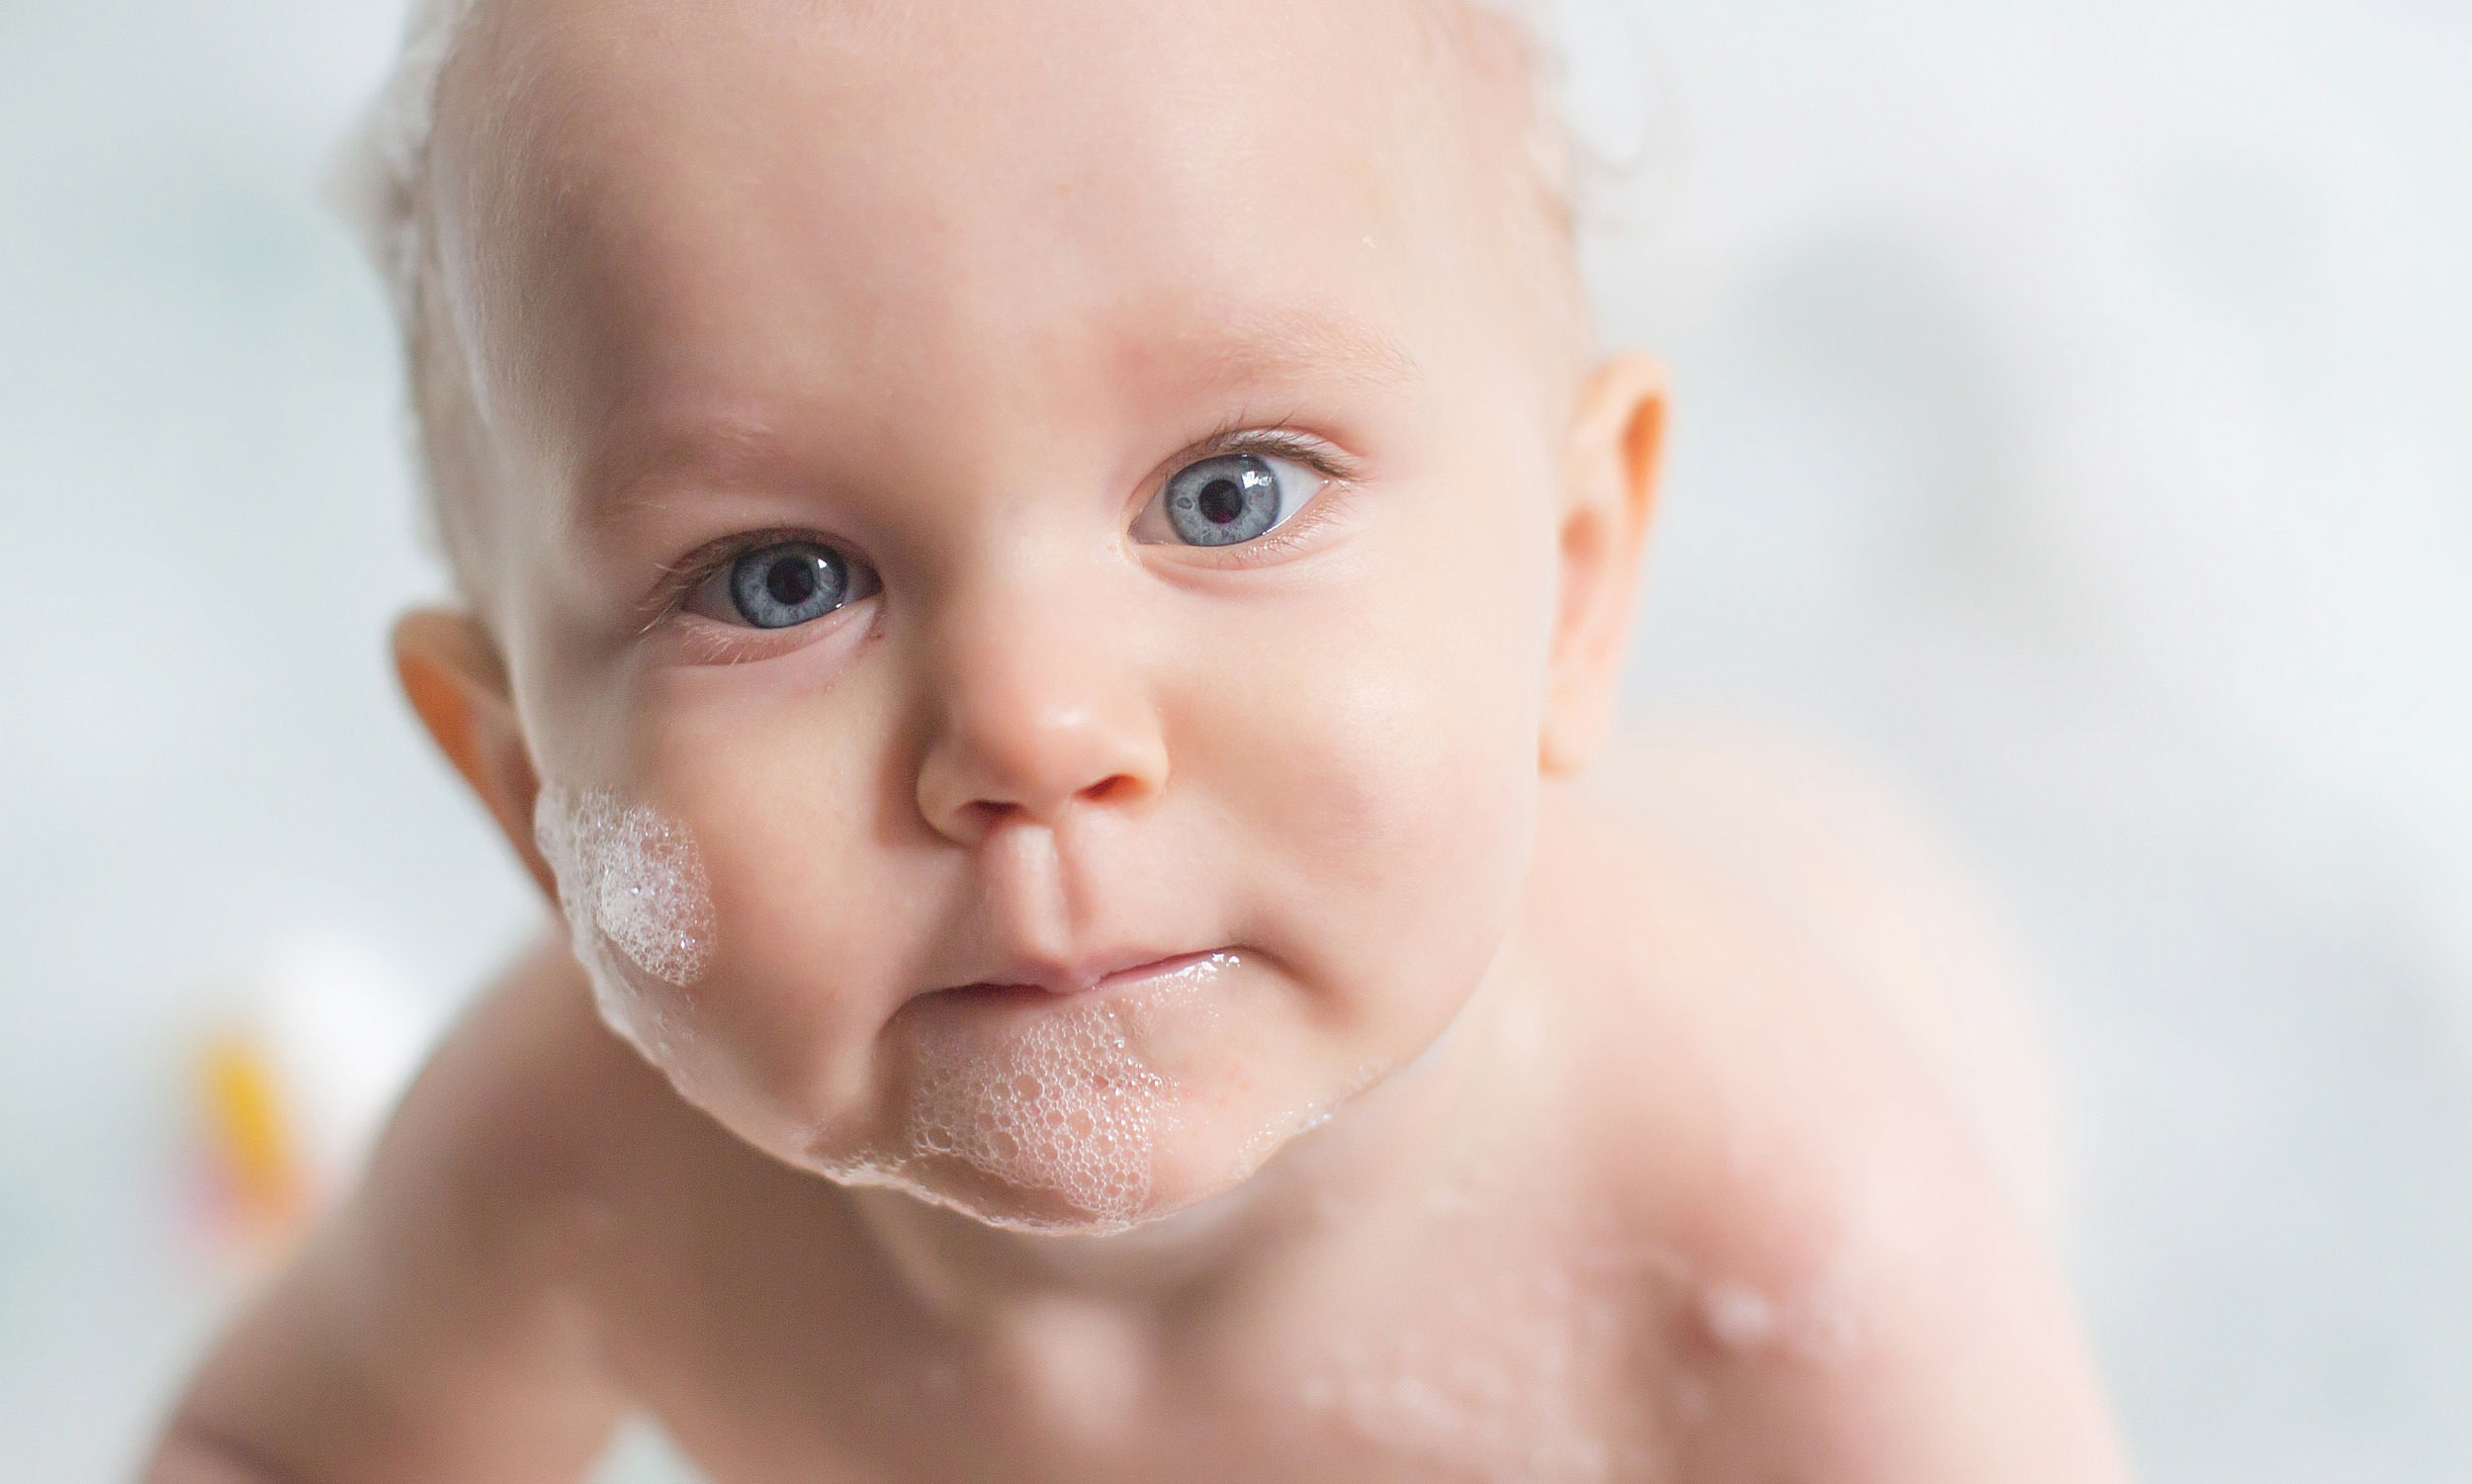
(1622, 1177)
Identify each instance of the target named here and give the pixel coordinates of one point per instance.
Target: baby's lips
(1093, 972)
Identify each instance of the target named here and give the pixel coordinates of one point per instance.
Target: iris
(788, 584)
(1221, 501)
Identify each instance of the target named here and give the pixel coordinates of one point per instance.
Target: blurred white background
(2075, 426)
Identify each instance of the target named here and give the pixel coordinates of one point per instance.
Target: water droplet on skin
(1740, 1316)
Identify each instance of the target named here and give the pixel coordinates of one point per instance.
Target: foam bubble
(630, 878)
(1741, 1317)
(1065, 1104)
(373, 182)
(1068, 1100)
(1595, 95)
(1816, 1326)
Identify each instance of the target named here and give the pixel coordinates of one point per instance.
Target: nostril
(1111, 790)
(980, 818)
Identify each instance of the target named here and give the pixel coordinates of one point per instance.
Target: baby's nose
(1034, 717)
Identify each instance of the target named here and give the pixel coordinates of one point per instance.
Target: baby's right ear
(454, 678)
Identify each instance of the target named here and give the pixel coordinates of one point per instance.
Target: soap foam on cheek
(632, 884)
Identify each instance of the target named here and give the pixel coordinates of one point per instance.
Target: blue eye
(1228, 500)
(1222, 501)
(788, 584)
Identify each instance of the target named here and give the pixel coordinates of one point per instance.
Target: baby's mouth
(1033, 986)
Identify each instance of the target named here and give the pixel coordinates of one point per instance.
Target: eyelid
(702, 638)
(679, 580)
(1335, 470)
(1301, 447)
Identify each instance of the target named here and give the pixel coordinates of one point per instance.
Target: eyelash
(1245, 437)
(682, 578)
(678, 580)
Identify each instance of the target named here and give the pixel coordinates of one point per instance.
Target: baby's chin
(1088, 1113)
(1093, 1114)
(1068, 1166)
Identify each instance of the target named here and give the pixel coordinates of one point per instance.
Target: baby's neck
(1397, 1142)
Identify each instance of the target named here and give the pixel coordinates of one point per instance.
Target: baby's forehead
(380, 179)
(896, 171)
(1073, 93)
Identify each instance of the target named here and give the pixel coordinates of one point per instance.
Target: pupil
(792, 580)
(1220, 501)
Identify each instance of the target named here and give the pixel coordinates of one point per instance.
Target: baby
(1039, 578)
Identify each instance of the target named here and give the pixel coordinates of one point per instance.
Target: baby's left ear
(1610, 469)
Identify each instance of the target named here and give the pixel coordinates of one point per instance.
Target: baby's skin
(1044, 580)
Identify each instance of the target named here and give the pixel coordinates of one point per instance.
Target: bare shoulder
(1773, 1096)
(435, 1326)
(1854, 1295)
(1823, 859)
(510, 1145)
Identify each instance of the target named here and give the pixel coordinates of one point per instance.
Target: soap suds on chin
(1067, 1101)
(630, 878)
(1064, 1104)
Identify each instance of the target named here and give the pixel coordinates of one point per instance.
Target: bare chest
(1478, 1363)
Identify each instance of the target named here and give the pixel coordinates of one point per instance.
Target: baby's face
(1027, 557)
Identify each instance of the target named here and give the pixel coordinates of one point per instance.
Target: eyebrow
(723, 449)
(1292, 344)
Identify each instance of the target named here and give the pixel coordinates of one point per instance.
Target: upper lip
(1085, 972)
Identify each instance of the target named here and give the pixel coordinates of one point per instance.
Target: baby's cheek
(798, 817)
(1427, 813)
(1388, 808)
(637, 902)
